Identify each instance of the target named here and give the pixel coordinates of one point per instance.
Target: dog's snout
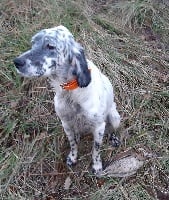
(19, 62)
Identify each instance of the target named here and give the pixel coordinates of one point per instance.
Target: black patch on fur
(96, 146)
(83, 75)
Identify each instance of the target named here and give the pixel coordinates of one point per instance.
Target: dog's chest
(74, 114)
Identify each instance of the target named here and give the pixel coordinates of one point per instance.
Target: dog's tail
(114, 117)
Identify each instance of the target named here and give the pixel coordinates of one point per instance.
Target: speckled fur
(87, 109)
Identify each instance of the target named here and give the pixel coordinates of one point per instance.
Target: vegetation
(128, 40)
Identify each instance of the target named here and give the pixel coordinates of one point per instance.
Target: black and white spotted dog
(87, 104)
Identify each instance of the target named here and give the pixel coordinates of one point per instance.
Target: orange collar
(71, 85)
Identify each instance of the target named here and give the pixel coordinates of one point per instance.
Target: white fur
(86, 109)
(97, 103)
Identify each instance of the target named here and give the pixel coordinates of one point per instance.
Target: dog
(84, 98)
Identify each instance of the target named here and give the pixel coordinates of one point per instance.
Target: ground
(128, 41)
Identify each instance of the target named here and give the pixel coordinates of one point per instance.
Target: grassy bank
(129, 42)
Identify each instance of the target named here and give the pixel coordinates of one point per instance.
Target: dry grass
(128, 41)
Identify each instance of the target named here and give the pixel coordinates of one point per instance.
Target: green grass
(33, 146)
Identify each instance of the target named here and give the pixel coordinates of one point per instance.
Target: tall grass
(141, 13)
(33, 145)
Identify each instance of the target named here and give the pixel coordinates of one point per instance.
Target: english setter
(84, 99)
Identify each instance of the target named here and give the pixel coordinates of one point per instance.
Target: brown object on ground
(126, 163)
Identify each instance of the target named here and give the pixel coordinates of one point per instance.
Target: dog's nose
(19, 62)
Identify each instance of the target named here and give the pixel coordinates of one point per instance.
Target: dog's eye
(49, 46)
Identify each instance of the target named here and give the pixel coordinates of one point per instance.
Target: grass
(128, 42)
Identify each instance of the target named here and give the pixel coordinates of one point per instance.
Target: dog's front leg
(72, 156)
(98, 137)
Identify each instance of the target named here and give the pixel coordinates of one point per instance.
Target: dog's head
(54, 53)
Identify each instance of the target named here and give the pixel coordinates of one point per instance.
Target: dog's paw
(97, 168)
(115, 141)
(71, 160)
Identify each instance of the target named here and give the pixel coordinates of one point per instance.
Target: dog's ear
(81, 70)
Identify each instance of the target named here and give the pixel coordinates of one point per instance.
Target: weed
(33, 146)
